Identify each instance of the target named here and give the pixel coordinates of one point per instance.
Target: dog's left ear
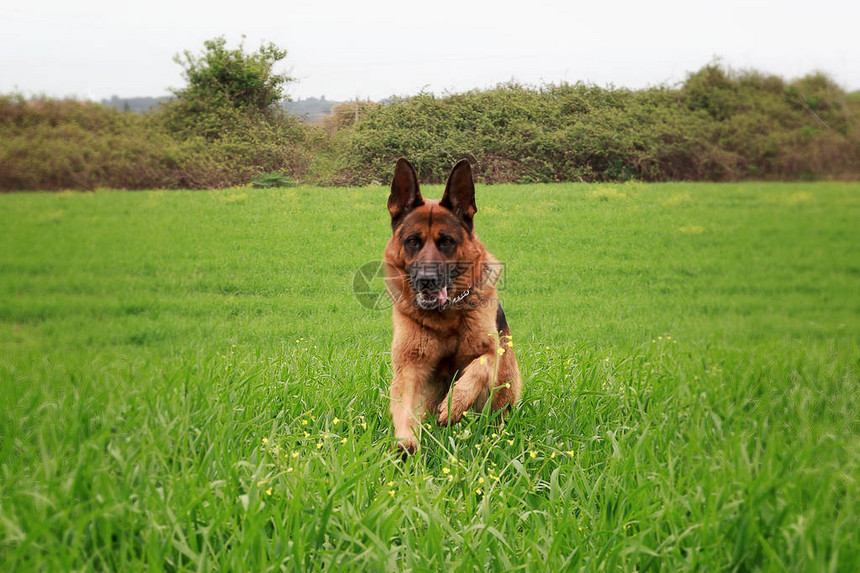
(405, 195)
(459, 194)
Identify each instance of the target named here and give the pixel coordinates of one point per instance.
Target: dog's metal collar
(456, 299)
(466, 293)
(461, 296)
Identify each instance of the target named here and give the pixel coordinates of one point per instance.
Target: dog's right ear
(405, 195)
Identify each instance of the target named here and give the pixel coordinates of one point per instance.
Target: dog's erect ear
(405, 194)
(459, 194)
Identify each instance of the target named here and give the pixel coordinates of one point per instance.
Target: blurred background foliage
(228, 126)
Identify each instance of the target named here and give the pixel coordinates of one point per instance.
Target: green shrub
(719, 125)
(228, 91)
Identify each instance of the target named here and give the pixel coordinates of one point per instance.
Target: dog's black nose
(427, 279)
(429, 285)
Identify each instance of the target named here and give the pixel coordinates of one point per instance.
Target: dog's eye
(446, 242)
(413, 242)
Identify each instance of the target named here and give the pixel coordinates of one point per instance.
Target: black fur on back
(501, 321)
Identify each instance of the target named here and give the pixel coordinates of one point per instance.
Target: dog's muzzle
(430, 283)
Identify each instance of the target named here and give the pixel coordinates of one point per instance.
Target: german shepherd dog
(452, 347)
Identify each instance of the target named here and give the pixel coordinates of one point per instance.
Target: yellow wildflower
(446, 471)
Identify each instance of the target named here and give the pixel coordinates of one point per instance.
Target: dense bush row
(53, 145)
(222, 129)
(717, 126)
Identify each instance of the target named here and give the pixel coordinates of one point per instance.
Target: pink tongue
(443, 295)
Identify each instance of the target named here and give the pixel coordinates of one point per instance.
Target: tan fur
(432, 347)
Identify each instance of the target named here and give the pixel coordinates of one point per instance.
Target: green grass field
(189, 383)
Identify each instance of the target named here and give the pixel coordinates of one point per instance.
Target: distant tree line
(310, 110)
(135, 104)
(229, 125)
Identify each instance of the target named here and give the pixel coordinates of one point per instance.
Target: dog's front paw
(405, 447)
(447, 417)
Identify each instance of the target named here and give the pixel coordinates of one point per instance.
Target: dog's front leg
(476, 378)
(407, 406)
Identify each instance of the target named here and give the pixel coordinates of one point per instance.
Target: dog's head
(434, 242)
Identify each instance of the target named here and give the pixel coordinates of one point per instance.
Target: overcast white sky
(97, 48)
